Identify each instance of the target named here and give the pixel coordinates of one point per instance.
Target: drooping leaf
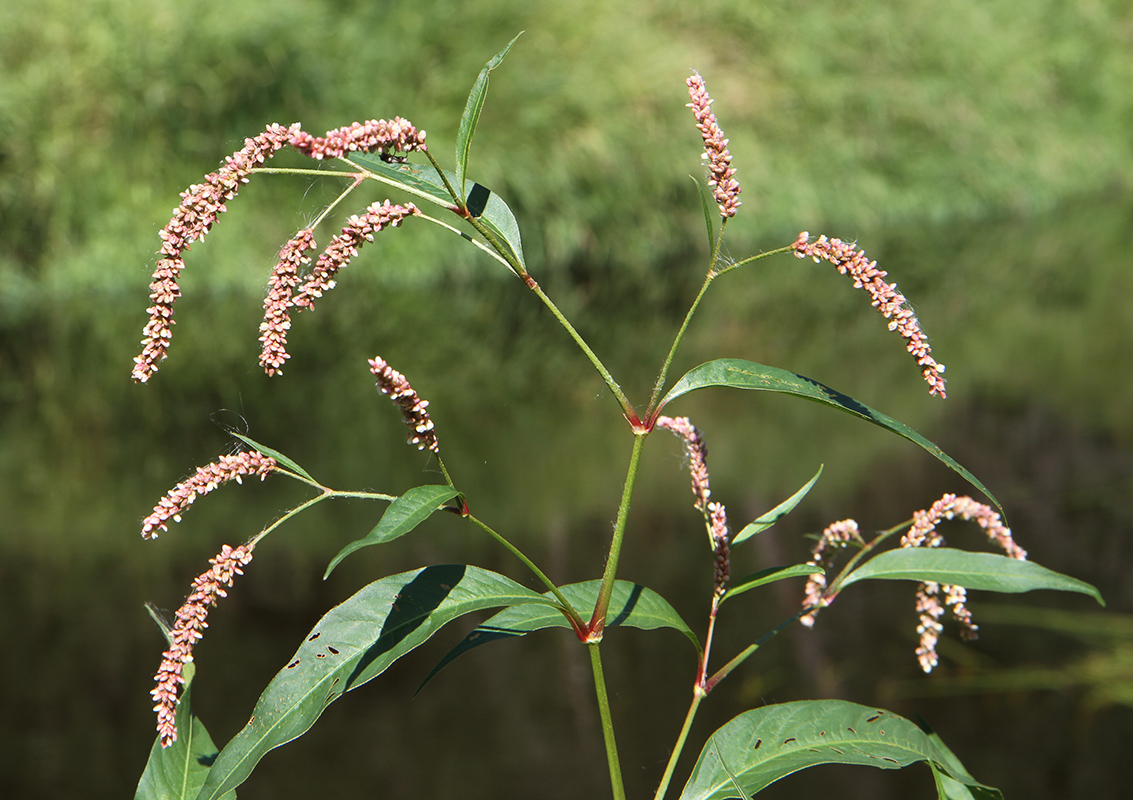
(278, 456)
(631, 605)
(177, 772)
(740, 374)
(423, 182)
(403, 515)
(994, 573)
(471, 114)
(769, 576)
(353, 643)
(777, 513)
(762, 746)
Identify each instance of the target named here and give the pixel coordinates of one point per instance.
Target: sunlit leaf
(177, 772)
(762, 746)
(423, 182)
(988, 571)
(769, 576)
(278, 456)
(353, 643)
(471, 114)
(403, 515)
(739, 374)
(631, 605)
(777, 513)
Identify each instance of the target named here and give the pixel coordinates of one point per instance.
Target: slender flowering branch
(201, 205)
(834, 538)
(394, 385)
(281, 285)
(344, 247)
(725, 188)
(849, 260)
(697, 452)
(205, 480)
(208, 587)
(387, 136)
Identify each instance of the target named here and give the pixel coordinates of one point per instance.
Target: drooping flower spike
(205, 480)
(725, 188)
(207, 588)
(277, 305)
(834, 538)
(416, 411)
(849, 260)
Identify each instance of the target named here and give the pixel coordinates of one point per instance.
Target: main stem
(616, 784)
(598, 620)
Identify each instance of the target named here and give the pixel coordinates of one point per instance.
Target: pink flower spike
(725, 188)
(207, 588)
(387, 136)
(697, 452)
(205, 480)
(849, 260)
(201, 205)
(416, 415)
(344, 247)
(835, 537)
(277, 318)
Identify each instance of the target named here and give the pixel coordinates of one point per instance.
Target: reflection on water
(1029, 316)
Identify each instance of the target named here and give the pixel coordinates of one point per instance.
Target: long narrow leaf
(762, 746)
(278, 456)
(471, 114)
(403, 515)
(425, 184)
(771, 575)
(739, 374)
(987, 571)
(353, 643)
(777, 513)
(631, 606)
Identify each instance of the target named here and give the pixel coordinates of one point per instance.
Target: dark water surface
(1031, 317)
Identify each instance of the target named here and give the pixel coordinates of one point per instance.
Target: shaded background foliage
(979, 151)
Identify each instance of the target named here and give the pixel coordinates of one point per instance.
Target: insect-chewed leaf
(987, 571)
(762, 746)
(353, 643)
(740, 374)
(631, 605)
(403, 515)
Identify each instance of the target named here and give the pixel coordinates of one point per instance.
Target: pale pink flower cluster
(205, 480)
(849, 260)
(281, 285)
(388, 136)
(187, 630)
(416, 414)
(722, 566)
(923, 533)
(344, 247)
(725, 188)
(834, 538)
(201, 205)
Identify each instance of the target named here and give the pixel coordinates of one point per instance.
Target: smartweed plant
(359, 639)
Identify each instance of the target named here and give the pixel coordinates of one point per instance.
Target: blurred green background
(979, 150)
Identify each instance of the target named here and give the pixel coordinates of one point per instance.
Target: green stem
(598, 620)
(572, 614)
(697, 697)
(616, 784)
(627, 407)
(660, 384)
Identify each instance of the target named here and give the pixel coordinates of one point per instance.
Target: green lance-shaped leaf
(709, 215)
(471, 114)
(423, 182)
(762, 746)
(740, 374)
(770, 575)
(988, 571)
(283, 460)
(777, 513)
(353, 643)
(403, 515)
(177, 772)
(631, 605)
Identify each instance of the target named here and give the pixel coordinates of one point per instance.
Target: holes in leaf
(851, 730)
(314, 636)
(874, 718)
(332, 651)
(320, 655)
(789, 740)
(891, 760)
(293, 664)
(758, 742)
